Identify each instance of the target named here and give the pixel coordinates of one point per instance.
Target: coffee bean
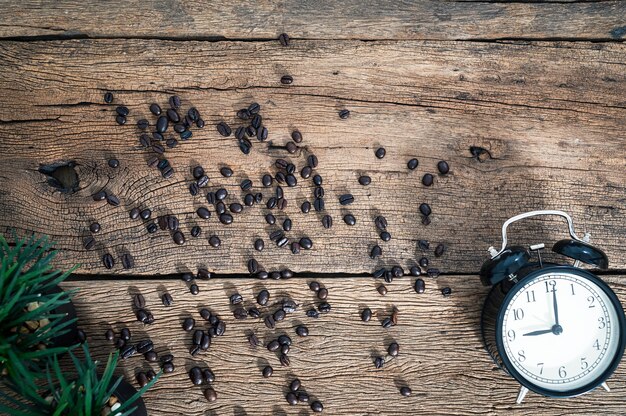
(346, 199)
(262, 133)
(121, 120)
(305, 207)
(318, 192)
(193, 114)
(155, 109)
(273, 346)
(196, 230)
(380, 222)
(388, 276)
(282, 242)
(144, 140)
(376, 252)
(172, 115)
(144, 346)
(197, 336)
(139, 301)
(249, 200)
(425, 209)
(316, 406)
(405, 391)
(157, 136)
(322, 293)
(327, 221)
(188, 324)
(306, 243)
(113, 163)
(312, 313)
(203, 213)
(194, 289)
(291, 147)
(163, 163)
(125, 334)
(166, 358)
(296, 136)
(281, 204)
(385, 236)
(174, 101)
(162, 124)
(269, 322)
(289, 306)
(108, 97)
(379, 362)
(208, 376)
(268, 371)
(443, 167)
(253, 266)
(267, 180)
(128, 352)
(203, 181)
(152, 227)
(284, 360)
(318, 204)
(119, 343)
(365, 180)
(393, 349)
(427, 179)
(291, 168)
(439, 250)
(99, 196)
(226, 219)
(151, 356)
(397, 271)
(366, 315)
(446, 291)
(382, 290)
(279, 315)
(312, 161)
(94, 227)
(302, 331)
(286, 79)
(179, 238)
(224, 129)
(220, 208)
(168, 222)
(194, 189)
(349, 219)
(108, 261)
(291, 398)
(280, 178)
(122, 111)
(195, 375)
(263, 297)
(387, 323)
(113, 200)
(240, 313)
(210, 395)
(220, 328)
(203, 274)
(423, 262)
(412, 164)
(109, 335)
(167, 300)
(303, 397)
(254, 312)
(324, 307)
(198, 172)
(287, 224)
(343, 114)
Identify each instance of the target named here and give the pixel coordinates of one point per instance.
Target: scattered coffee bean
(210, 395)
(287, 224)
(162, 124)
(439, 250)
(128, 352)
(405, 391)
(121, 120)
(269, 322)
(420, 286)
(327, 221)
(302, 331)
(139, 301)
(125, 334)
(122, 111)
(94, 227)
(263, 297)
(273, 346)
(113, 200)
(393, 349)
(144, 346)
(279, 315)
(208, 376)
(291, 398)
(195, 375)
(194, 289)
(322, 293)
(349, 219)
(387, 323)
(306, 243)
(152, 227)
(382, 290)
(284, 360)
(155, 109)
(203, 274)
(224, 129)
(385, 236)
(365, 180)
(268, 371)
(324, 307)
(317, 407)
(108, 261)
(226, 219)
(443, 167)
(240, 313)
(423, 262)
(366, 315)
(317, 180)
(109, 335)
(151, 356)
(427, 179)
(346, 199)
(174, 101)
(203, 213)
(412, 164)
(99, 196)
(376, 252)
(179, 238)
(312, 313)
(196, 231)
(343, 114)
(425, 209)
(108, 97)
(446, 291)
(286, 79)
(167, 300)
(188, 324)
(432, 272)
(253, 340)
(246, 184)
(306, 172)
(380, 152)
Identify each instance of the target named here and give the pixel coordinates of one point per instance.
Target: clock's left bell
(504, 265)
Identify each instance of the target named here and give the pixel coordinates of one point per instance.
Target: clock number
(540, 365)
(511, 335)
(583, 364)
(521, 356)
(562, 372)
(530, 296)
(601, 323)
(597, 345)
(591, 300)
(518, 314)
(573, 293)
(550, 286)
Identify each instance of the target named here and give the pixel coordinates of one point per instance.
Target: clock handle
(511, 220)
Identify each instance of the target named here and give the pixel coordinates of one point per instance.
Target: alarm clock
(559, 330)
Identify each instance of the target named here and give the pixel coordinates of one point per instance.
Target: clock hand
(556, 308)
(541, 332)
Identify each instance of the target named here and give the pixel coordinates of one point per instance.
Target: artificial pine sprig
(82, 393)
(26, 281)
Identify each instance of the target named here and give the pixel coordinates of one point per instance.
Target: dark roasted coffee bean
(113, 163)
(263, 297)
(203, 181)
(179, 238)
(303, 397)
(286, 79)
(108, 261)
(306, 243)
(221, 194)
(144, 140)
(393, 349)
(282, 242)
(253, 267)
(152, 227)
(322, 293)
(250, 131)
(380, 152)
(281, 204)
(366, 315)
(172, 115)
(194, 289)
(318, 204)
(291, 180)
(210, 395)
(271, 202)
(281, 163)
(296, 136)
(151, 356)
(240, 313)
(291, 398)
(220, 208)
(163, 163)
(139, 301)
(203, 213)
(317, 180)
(162, 124)
(261, 133)
(203, 274)
(273, 346)
(211, 198)
(379, 362)
(284, 360)
(295, 248)
(226, 219)
(194, 189)
(306, 172)
(379, 273)
(94, 227)
(397, 271)
(425, 209)
(446, 291)
(262, 275)
(376, 252)
(224, 129)
(144, 346)
(312, 161)
(314, 286)
(305, 207)
(439, 250)
(158, 137)
(121, 120)
(220, 328)
(195, 375)
(259, 244)
(208, 376)
(254, 312)
(167, 300)
(382, 290)
(287, 224)
(174, 101)
(291, 168)
(343, 114)
(128, 352)
(125, 334)
(142, 316)
(254, 108)
(365, 180)
(270, 219)
(302, 331)
(269, 322)
(109, 335)
(412, 164)
(249, 200)
(324, 307)
(423, 244)
(197, 336)
(166, 358)
(423, 262)
(349, 219)
(280, 178)
(267, 180)
(168, 367)
(387, 323)
(193, 113)
(405, 391)
(188, 324)
(134, 213)
(245, 146)
(346, 199)
(99, 196)
(187, 277)
(385, 236)
(276, 235)
(283, 38)
(119, 343)
(388, 276)
(198, 172)
(443, 167)
(427, 179)
(267, 371)
(420, 286)
(149, 318)
(415, 271)
(108, 96)
(279, 315)
(113, 200)
(312, 313)
(122, 111)
(327, 221)
(196, 231)
(155, 109)
(205, 314)
(145, 214)
(179, 128)
(284, 340)
(200, 123)
(286, 274)
(318, 192)
(246, 185)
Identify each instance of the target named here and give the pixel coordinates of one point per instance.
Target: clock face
(561, 331)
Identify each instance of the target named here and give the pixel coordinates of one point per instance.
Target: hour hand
(541, 332)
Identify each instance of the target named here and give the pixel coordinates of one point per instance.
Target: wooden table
(539, 86)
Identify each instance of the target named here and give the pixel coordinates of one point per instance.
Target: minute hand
(541, 332)
(556, 308)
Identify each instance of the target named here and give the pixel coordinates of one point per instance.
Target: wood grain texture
(550, 115)
(303, 19)
(441, 356)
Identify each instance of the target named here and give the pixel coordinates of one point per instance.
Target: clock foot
(605, 386)
(521, 395)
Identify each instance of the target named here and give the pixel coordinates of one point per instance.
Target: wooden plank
(441, 354)
(355, 19)
(550, 114)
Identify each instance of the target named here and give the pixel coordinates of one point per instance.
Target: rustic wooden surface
(441, 356)
(551, 145)
(540, 85)
(303, 19)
